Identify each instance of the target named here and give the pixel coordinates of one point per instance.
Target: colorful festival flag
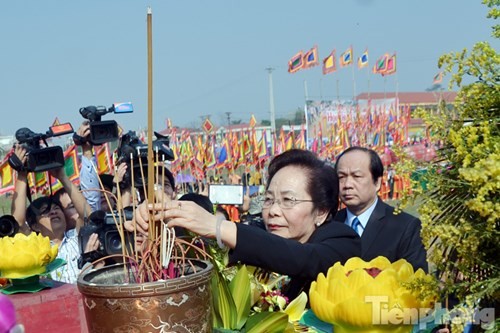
(296, 63)
(262, 147)
(207, 126)
(71, 164)
(7, 177)
(103, 159)
(120, 131)
(329, 63)
(223, 157)
(381, 64)
(311, 58)
(391, 66)
(210, 153)
(363, 60)
(346, 57)
(438, 78)
(253, 121)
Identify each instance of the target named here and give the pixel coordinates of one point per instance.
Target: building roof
(428, 97)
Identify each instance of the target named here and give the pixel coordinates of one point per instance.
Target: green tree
(460, 211)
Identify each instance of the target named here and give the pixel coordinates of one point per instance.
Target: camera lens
(8, 226)
(113, 243)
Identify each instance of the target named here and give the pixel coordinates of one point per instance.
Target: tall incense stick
(150, 117)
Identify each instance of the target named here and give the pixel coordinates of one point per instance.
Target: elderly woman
(300, 200)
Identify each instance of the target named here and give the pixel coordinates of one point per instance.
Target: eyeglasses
(284, 203)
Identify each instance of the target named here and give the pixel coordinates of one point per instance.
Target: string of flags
(385, 65)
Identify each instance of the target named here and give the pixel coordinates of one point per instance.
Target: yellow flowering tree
(460, 208)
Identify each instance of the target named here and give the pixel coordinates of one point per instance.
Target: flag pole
(369, 78)
(338, 96)
(271, 99)
(353, 83)
(397, 94)
(385, 86)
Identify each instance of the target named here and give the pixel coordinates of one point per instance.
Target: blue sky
(210, 56)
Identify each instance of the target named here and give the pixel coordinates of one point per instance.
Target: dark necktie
(356, 225)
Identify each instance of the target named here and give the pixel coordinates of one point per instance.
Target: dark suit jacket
(331, 242)
(392, 236)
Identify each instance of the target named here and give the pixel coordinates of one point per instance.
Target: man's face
(104, 202)
(51, 220)
(164, 191)
(69, 210)
(356, 187)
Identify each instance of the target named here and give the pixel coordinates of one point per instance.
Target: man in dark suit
(383, 233)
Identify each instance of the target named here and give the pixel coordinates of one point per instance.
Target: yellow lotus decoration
(375, 296)
(23, 256)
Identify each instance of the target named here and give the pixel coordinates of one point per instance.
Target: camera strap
(78, 140)
(15, 163)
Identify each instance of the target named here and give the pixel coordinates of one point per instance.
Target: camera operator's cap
(107, 181)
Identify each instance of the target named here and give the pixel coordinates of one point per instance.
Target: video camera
(8, 226)
(131, 148)
(40, 159)
(103, 224)
(105, 130)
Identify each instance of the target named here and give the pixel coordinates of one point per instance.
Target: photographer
(45, 216)
(89, 180)
(97, 197)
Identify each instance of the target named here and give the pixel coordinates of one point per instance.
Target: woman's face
(298, 221)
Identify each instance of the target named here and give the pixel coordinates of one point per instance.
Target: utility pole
(228, 115)
(271, 99)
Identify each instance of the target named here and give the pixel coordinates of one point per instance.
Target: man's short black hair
(107, 181)
(376, 165)
(34, 209)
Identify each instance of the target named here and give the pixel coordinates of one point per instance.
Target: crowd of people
(300, 231)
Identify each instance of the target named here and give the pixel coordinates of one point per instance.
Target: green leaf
(223, 307)
(272, 322)
(240, 290)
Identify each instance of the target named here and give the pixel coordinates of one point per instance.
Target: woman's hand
(188, 215)
(185, 214)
